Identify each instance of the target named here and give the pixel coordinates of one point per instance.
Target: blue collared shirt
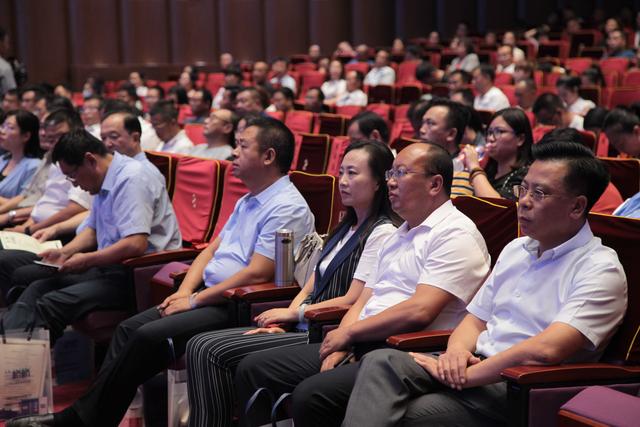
(18, 179)
(630, 208)
(252, 226)
(133, 201)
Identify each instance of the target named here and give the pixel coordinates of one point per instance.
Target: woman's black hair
(519, 122)
(28, 122)
(380, 161)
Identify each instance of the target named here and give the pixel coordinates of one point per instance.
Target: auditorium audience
(260, 74)
(466, 58)
(90, 114)
(458, 79)
(427, 271)
(281, 100)
(617, 46)
(10, 100)
(509, 39)
(550, 111)
(368, 125)
(232, 77)
(280, 74)
(314, 101)
(526, 94)
(154, 94)
(505, 59)
(341, 273)
(136, 78)
(335, 85)
(249, 100)
(242, 254)
(561, 318)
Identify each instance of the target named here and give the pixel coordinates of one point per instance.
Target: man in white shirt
(381, 73)
(354, 94)
(554, 296)
(426, 272)
(509, 39)
(219, 131)
(90, 114)
(7, 79)
(164, 119)
(551, 111)
(505, 60)
(489, 97)
(280, 76)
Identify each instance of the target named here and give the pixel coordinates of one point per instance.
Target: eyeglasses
(537, 195)
(71, 176)
(496, 132)
(400, 173)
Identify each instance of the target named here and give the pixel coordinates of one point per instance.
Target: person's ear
(579, 207)
(375, 134)
(269, 156)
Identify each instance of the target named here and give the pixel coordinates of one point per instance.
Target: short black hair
(166, 110)
(112, 106)
(274, 134)
(129, 88)
(456, 117)
(54, 102)
(180, 93)
(39, 91)
(63, 115)
(286, 92)
(467, 95)
(369, 121)
(207, 98)
(320, 93)
(465, 75)
(416, 112)
(74, 145)
(570, 82)
(548, 102)
(439, 163)
(595, 117)
(586, 175)
(233, 70)
(622, 117)
(488, 71)
(159, 89)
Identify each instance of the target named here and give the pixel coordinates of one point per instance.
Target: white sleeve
(369, 256)
(81, 197)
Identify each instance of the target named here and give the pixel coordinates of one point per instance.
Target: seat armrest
(178, 275)
(580, 372)
(162, 257)
(417, 341)
(263, 292)
(326, 314)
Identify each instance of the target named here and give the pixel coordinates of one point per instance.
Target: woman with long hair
(346, 260)
(508, 146)
(19, 138)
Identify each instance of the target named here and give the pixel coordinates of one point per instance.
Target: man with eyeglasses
(131, 215)
(90, 114)
(219, 131)
(554, 296)
(426, 273)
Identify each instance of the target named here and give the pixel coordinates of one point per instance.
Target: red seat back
(195, 132)
(349, 110)
(383, 110)
(410, 92)
(407, 72)
(339, 145)
(311, 79)
(166, 164)
(631, 78)
(233, 190)
(614, 64)
(363, 67)
(299, 121)
(625, 175)
(503, 79)
(578, 65)
(331, 124)
(323, 197)
(197, 197)
(510, 93)
(381, 93)
(313, 156)
(624, 96)
(403, 142)
(496, 220)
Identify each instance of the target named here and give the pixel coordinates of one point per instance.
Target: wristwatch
(11, 215)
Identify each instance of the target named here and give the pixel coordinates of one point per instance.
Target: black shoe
(32, 421)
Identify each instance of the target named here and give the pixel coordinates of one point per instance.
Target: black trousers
(10, 261)
(142, 346)
(61, 299)
(319, 399)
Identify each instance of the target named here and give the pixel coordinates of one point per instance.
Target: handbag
(307, 257)
(25, 364)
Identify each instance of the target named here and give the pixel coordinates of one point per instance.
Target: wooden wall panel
(94, 32)
(194, 31)
(455, 11)
(499, 14)
(415, 18)
(241, 24)
(286, 27)
(329, 23)
(373, 22)
(145, 31)
(536, 12)
(7, 22)
(42, 39)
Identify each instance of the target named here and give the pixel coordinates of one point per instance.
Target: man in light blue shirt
(131, 215)
(242, 254)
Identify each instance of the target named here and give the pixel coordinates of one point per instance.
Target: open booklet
(11, 240)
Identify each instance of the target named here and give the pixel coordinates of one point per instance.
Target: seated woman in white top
(19, 137)
(568, 90)
(466, 60)
(335, 84)
(343, 268)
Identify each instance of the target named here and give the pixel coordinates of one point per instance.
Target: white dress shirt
(380, 76)
(581, 106)
(493, 100)
(446, 251)
(180, 144)
(580, 283)
(333, 88)
(357, 97)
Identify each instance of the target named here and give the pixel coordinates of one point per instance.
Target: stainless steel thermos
(284, 257)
